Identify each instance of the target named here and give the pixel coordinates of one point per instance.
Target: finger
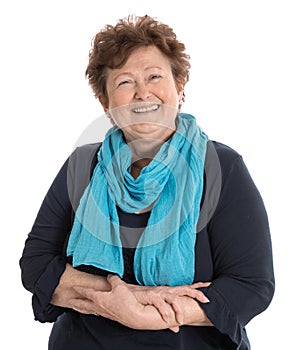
(190, 292)
(173, 300)
(174, 329)
(183, 290)
(198, 295)
(161, 305)
(200, 284)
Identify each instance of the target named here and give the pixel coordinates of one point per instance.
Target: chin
(146, 131)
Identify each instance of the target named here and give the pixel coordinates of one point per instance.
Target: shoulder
(84, 156)
(80, 167)
(235, 180)
(222, 158)
(226, 154)
(224, 172)
(230, 163)
(86, 150)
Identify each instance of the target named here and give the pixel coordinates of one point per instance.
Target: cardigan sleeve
(43, 262)
(243, 283)
(44, 258)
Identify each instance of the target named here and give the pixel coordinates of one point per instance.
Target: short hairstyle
(113, 45)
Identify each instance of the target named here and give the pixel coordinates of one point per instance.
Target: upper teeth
(146, 109)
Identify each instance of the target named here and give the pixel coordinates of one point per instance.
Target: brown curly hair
(113, 45)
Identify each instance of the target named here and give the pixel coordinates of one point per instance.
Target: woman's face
(143, 98)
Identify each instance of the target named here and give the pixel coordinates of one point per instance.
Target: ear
(180, 98)
(103, 103)
(181, 94)
(106, 109)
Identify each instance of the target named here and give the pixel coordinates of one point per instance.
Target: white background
(239, 91)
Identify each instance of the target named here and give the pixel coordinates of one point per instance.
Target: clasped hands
(141, 307)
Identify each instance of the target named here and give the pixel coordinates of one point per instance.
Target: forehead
(144, 58)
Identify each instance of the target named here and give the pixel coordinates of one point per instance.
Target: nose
(142, 92)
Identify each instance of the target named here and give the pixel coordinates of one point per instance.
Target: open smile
(147, 108)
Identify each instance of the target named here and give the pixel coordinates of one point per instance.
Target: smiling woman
(166, 233)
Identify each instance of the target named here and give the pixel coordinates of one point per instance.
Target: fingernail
(207, 300)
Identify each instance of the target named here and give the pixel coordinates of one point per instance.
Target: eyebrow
(153, 67)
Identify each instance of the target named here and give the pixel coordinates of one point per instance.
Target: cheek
(173, 97)
(170, 93)
(119, 99)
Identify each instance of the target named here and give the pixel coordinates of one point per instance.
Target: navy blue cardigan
(233, 250)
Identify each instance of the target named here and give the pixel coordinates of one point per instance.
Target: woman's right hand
(166, 298)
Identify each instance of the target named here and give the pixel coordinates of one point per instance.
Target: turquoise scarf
(172, 183)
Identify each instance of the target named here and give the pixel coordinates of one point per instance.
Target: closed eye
(155, 77)
(124, 82)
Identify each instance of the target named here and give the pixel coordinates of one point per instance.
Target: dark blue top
(233, 250)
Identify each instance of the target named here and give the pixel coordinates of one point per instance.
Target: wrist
(194, 315)
(73, 277)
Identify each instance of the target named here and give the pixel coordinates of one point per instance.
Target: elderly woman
(157, 238)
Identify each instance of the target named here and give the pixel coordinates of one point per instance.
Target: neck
(145, 148)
